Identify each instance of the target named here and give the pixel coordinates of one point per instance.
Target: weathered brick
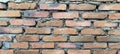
(119, 52)
(82, 7)
(3, 23)
(114, 45)
(46, 1)
(6, 51)
(53, 6)
(27, 38)
(39, 14)
(104, 51)
(53, 52)
(114, 16)
(94, 15)
(2, 6)
(109, 7)
(118, 0)
(102, 0)
(78, 52)
(65, 15)
(92, 31)
(28, 51)
(81, 38)
(65, 31)
(108, 38)
(51, 23)
(95, 45)
(54, 38)
(75, 0)
(19, 45)
(20, 22)
(114, 32)
(104, 24)
(67, 45)
(5, 38)
(11, 30)
(37, 30)
(10, 13)
(42, 45)
(25, 5)
(77, 23)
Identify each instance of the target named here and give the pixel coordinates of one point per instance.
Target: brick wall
(59, 26)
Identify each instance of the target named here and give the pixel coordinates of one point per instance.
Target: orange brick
(10, 13)
(102, 38)
(104, 24)
(6, 52)
(104, 51)
(95, 45)
(25, 5)
(54, 38)
(92, 31)
(42, 45)
(78, 52)
(27, 38)
(67, 45)
(114, 16)
(81, 38)
(94, 15)
(53, 52)
(65, 15)
(19, 45)
(37, 30)
(20, 22)
(82, 7)
(39, 14)
(114, 32)
(51, 23)
(53, 6)
(109, 7)
(77, 23)
(3, 23)
(28, 51)
(5, 38)
(114, 45)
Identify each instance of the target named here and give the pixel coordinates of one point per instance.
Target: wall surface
(59, 26)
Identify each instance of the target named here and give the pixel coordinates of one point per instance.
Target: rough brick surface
(59, 26)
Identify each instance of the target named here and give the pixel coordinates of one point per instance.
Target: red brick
(65, 31)
(109, 7)
(51, 23)
(114, 16)
(42, 45)
(20, 22)
(94, 15)
(53, 52)
(92, 31)
(104, 51)
(114, 45)
(5, 38)
(65, 15)
(81, 38)
(78, 52)
(39, 14)
(19, 45)
(77, 23)
(2, 6)
(82, 7)
(10, 13)
(6, 51)
(27, 38)
(53, 6)
(102, 38)
(54, 38)
(28, 51)
(11, 30)
(104, 24)
(37, 30)
(67, 45)
(95, 45)
(3, 23)
(25, 5)
(114, 32)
